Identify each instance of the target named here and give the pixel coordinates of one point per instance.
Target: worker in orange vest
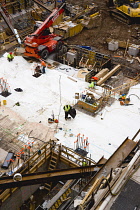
(43, 64)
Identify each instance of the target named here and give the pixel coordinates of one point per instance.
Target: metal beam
(50, 176)
(14, 31)
(42, 5)
(7, 20)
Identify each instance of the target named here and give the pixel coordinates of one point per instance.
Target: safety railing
(41, 156)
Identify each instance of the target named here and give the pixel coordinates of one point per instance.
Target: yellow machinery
(127, 11)
(88, 17)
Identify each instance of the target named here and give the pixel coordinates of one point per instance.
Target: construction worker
(39, 152)
(125, 102)
(10, 56)
(43, 64)
(94, 79)
(122, 103)
(84, 163)
(69, 111)
(91, 85)
(122, 97)
(38, 70)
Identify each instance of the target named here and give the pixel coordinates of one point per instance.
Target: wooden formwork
(89, 75)
(97, 59)
(89, 107)
(92, 73)
(93, 61)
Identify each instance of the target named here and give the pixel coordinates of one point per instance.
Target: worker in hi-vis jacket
(69, 110)
(10, 56)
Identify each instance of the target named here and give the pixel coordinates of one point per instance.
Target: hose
(134, 95)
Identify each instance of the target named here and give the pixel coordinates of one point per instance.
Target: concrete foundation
(113, 46)
(133, 50)
(71, 56)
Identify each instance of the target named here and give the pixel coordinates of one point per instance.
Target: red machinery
(40, 43)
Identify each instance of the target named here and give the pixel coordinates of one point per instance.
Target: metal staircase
(52, 165)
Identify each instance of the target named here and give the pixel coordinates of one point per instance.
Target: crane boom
(50, 20)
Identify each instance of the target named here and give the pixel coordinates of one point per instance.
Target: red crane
(41, 43)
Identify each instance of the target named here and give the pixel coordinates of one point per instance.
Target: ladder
(64, 197)
(52, 165)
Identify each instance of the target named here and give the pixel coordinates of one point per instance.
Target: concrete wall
(19, 196)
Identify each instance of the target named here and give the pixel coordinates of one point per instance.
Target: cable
(122, 109)
(60, 100)
(127, 179)
(134, 95)
(35, 137)
(113, 194)
(101, 148)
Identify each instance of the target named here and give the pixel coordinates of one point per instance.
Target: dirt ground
(109, 28)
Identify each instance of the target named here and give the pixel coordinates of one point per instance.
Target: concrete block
(133, 50)
(113, 45)
(71, 56)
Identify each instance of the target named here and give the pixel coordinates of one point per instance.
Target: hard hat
(10, 53)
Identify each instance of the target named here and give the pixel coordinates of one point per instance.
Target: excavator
(41, 43)
(127, 11)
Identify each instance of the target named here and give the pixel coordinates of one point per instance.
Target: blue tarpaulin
(85, 47)
(7, 160)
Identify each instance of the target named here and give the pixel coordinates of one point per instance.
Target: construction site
(62, 56)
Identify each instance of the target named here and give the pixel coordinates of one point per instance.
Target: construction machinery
(127, 11)
(41, 43)
(77, 19)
